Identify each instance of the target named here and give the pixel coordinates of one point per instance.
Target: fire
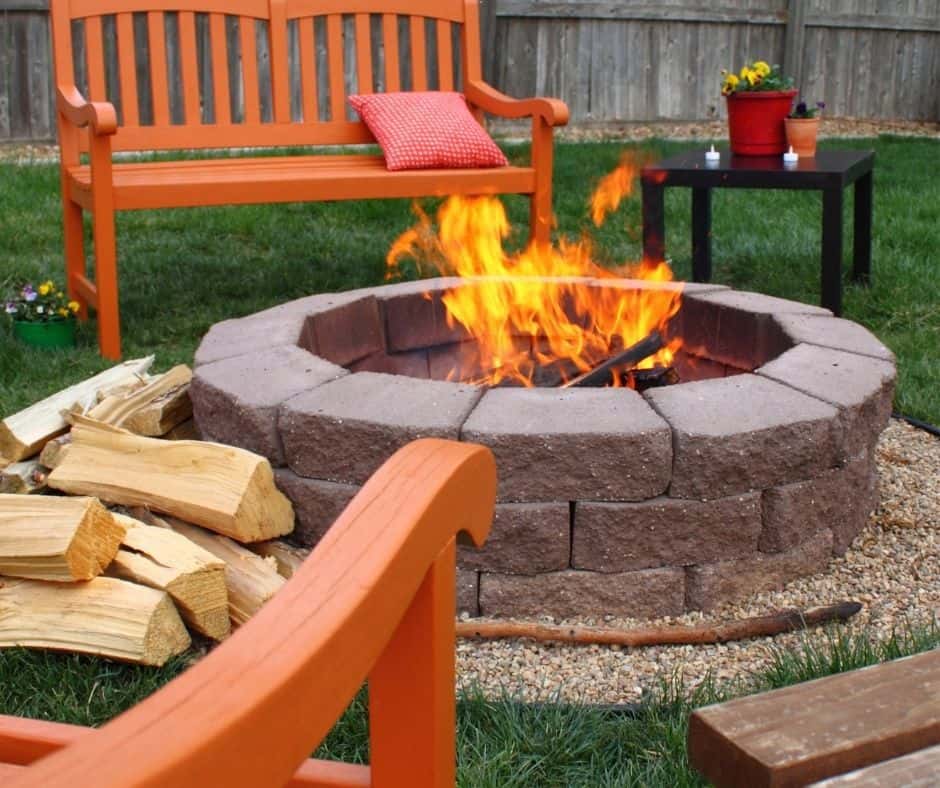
(531, 313)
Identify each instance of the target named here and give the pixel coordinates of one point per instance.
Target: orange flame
(533, 311)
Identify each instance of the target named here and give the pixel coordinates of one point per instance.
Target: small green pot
(52, 333)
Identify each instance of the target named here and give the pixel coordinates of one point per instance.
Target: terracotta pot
(801, 134)
(755, 121)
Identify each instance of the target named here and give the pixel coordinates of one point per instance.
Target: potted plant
(802, 126)
(42, 316)
(759, 98)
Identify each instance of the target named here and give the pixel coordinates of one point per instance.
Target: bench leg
(540, 207)
(109, 319)
(74, 240)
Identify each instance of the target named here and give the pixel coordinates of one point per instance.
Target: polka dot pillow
(426, 130)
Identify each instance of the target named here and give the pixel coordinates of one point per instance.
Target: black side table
(829, 172)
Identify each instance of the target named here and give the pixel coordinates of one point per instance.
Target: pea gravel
(892, 568)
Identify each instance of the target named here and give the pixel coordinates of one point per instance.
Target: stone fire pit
(753, 471)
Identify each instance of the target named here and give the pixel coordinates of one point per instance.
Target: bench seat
(240, 181)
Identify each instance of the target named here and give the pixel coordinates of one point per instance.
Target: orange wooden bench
(109, 117)
(375, 600)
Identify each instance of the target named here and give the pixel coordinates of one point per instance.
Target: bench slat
(308, 71)
(220, 83)
(363, 54)
(190, 67)
(821, 728)
(280, 75)
(87, 8)
(94, 59)
(156, 37)
(127, 69)
(419, 59)
(390, 43)
(249, 54)
(920, 769)
(445, 56)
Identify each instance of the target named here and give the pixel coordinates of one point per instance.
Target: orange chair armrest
(100, 115)
(553, 111)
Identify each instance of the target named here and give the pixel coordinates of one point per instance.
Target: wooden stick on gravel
(760, 626)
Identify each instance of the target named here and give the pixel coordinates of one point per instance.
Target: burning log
(654, 377)
(633, 355)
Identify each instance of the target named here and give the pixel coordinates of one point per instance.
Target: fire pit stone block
(833, 332)
(710, 585)
(620, 537)
(647, 593)
(862, 387)
(526, 539)
(344, 430)
(733, 435)
(590, 444)
(317, 503)
(236, 399)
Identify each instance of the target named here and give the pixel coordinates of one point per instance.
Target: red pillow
(424, 130)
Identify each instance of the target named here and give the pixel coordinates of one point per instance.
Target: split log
(52, 538)
(287, 557)
(633, 355)
(25, 433)
(153, 409)
(105, 617)
(250, 579)
(168, 561)
(183, 432)
(53, 452)
(761, 626)
(221, 488)
(23, 478)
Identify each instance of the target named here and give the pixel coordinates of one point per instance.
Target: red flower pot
(755, 121)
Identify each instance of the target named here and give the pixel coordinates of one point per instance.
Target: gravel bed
(892, 568)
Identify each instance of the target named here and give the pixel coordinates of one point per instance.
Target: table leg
(701, 235)
(654, 224)
(861, 246)
(832, 250)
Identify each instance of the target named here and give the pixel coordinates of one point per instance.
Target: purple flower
(801, 108)
(821, 104)
(11, 308)
(29, 294)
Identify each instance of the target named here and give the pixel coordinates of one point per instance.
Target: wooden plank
(24, 5)
(105, 616)
(794, 40)
(308, 71)
(334, 45)
(363, 54)
(190, 68)
(127, 63)
(156, 39)
(611, 9)
(920, 769)
(218, 42)
(25, 433)
(41, 118)
(830, 726)
(152, 410)
(19, 75)
(46, 537)
(249, 59)
(419, 66)
(6, 86)
(228, 490)
(390, 52)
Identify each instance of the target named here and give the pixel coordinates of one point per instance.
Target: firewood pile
(121, 533)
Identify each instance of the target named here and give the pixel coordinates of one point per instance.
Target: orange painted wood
(419, 60)
(252, 710)
(363, 54)
(128, 69)
(308, 71)
(249, 53)
(390, 47)
(445, 56)
(220, 82)
(156, 38)
(103, 187)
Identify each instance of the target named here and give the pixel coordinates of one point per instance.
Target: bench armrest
(553, 111)
(100, 115)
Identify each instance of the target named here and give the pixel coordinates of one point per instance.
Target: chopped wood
(633, 355)
(105, 616)
(183, 432)
(225, 489)
(250, 579)
(53, 452)
(192, 576)
(287, 556)
(54, 538)
(121, 390)
(23, 478)
(25, 433)
(151, 410)
(759, 626)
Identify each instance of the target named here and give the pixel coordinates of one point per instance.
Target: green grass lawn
(183, 270)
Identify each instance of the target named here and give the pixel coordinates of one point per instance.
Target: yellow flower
(761, 68)
(44, 289)
(731, 82)
(74, 306)
(61, 312)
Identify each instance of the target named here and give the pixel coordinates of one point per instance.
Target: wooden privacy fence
(610, 60)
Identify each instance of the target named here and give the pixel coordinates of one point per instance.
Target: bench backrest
(222, 73)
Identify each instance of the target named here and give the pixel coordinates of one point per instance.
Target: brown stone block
(862, 387)
(417, 318)
(839, 500)
(347, 332)
(833, 332)
(620, 537)
(235, 400)
(573, 444)
(343, 431)
(710, 585)
(468, 592)
(732, 435)
(647, 593)
(317, 503)
(412, 364)
(526, 538)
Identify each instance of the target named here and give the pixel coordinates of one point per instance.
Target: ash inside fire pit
(754, 469)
